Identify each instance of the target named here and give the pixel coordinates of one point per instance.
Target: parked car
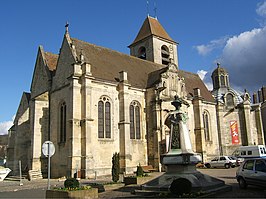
(222, 161)
(252, 172)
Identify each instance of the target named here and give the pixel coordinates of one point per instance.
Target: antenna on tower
(148, 8)
(155, 10)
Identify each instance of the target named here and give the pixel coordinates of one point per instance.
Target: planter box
(135, 180)
(89, 193)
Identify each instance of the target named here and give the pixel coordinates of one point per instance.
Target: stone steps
(35, 174)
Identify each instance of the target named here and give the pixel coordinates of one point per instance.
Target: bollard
(20, 173)
(95, 176)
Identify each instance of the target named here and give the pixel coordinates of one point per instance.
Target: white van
(256, 151)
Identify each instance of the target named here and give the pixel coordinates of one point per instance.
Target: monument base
(184, 179)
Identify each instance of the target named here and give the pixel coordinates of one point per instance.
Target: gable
(23, 108)
(65, 62)
(40, 77)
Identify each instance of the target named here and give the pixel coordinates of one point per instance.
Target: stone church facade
(91, 102)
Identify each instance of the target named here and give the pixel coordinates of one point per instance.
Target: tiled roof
(192, 81)
(152, 26)
(51, 60)
(106, 64)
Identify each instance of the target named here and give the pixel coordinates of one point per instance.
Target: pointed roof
(219, 70)
(51, 60)
(151, 26)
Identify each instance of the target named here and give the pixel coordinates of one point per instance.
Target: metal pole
(49, 157)
(20, 173)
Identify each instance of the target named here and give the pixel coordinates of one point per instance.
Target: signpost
(48, 149)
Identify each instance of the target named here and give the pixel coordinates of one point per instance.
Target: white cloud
(5, 126)
(202, 74)
(261, 10)
(212, 45)
(244, 58)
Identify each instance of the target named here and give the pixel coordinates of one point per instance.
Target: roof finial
(148, 8)
(218, 64)
(66, 26)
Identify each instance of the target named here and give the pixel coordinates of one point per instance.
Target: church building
(91, 102)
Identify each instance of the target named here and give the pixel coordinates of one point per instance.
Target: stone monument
(181, 176)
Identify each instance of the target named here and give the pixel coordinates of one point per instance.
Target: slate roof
(106, 64)
(152, 26)
(28, 96)
(51, 60)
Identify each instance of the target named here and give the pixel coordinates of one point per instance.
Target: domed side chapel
(92, 101)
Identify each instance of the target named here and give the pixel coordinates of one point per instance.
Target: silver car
(252, 172)
(222, 161)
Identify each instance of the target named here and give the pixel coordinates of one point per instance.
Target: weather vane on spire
(66, 26)
(148, 8)
(155, 10)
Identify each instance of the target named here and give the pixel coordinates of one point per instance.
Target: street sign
(48, 148)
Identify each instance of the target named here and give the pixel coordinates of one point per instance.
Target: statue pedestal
(182, 177)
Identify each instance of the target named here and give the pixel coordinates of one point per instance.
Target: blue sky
(232, 32)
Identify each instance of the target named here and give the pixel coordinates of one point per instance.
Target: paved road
(36, 189)
(228, 176)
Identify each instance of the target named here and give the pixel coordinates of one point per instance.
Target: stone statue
(179, 134)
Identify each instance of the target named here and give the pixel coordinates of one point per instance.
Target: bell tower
(154, 44)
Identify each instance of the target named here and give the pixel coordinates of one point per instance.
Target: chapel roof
(51, 60)
(151, 26)
(106, 64)
(219, 71)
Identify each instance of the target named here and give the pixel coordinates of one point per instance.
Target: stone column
(259, 125)
(74, 118)
(124, 121)
(199, 129)
(39, 129)
(220, 127)
(246, 111)
(87, 163)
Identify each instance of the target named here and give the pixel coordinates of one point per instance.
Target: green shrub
(140, 171)
(115, 167)
(71, 183)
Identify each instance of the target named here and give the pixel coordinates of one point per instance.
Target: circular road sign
(48, 145)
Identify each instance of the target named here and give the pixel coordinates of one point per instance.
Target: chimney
(255, 98)
(260, 96)
(196, 92)
(123, 76)
(263, 89)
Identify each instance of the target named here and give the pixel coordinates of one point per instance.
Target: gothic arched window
(206, 123)
(104, 118)
(165, 55)
(134, 111)
(62, 123)
(142, 53)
